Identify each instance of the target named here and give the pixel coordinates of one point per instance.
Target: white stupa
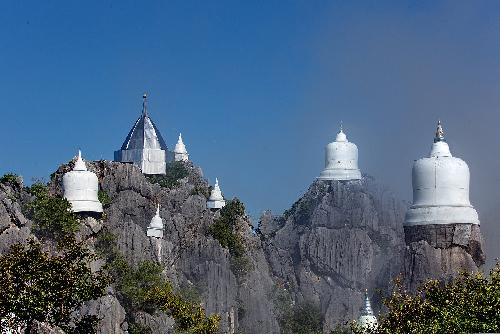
(155, 228)
(440, 188)
(216, 200)
(81, 188)
(367, 319)
(180, 152)
(144, 145)
(341, 160)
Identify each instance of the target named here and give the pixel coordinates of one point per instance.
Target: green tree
(470, 303)
(38, 285)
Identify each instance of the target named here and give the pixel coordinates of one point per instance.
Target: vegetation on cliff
(38, 285)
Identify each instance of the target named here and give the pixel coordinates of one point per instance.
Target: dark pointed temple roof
(144, 133)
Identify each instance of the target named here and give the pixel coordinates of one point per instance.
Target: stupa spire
(79, 163)
(180, 152)
(216, 200)
(367, 319)
(439, 132)
(144, 104)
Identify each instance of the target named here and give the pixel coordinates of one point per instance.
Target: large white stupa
(440, 188)
(144, 145)
(341, 160)
(180, 152)
(81, 188)
(216, 200)
(155, 228)
(367, 319)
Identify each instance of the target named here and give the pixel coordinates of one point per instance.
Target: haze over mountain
(257, 90)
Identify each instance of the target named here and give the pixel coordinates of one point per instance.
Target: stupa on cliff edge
(81, 188)
(216, 200)
(440, 188)
(341, 160)
(144, 146)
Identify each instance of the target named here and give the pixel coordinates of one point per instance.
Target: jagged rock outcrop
(340, 238)
(441, 251)
(191, 258)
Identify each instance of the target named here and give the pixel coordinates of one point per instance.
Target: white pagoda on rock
(155, 228)
(81, 188)
(144, 145)
(216, 200)
(367, 319)
(440, 188)
(341, 160)
(180, 152)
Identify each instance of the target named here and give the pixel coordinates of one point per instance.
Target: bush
(104, 198)
(135, 328)
(302, 318)
(143, 288)
(10, 179)
(223, 229)
(175, 171)
(52, 215)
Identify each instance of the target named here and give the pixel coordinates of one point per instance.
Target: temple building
(440, 188)
(81, 188)
(341, 160)
(216, 200)
(144, 145)
(367, 319)
(180, 152)
(155, 228)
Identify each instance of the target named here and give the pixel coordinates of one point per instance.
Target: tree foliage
(174, 172)
(224, 227)
(37, 285)
(52, 214)
(143, 288)
(470, 303)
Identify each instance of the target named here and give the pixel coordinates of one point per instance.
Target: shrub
(223, 229)
(135, 328)
(104, 198)
(10, 179)
(175, 171)
(51, 214)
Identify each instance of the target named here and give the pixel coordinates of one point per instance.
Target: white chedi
(81, 188)
(440, 188)
(155, 228)
(180, 152)
(216, 200)
(367, 319)
(341, 160)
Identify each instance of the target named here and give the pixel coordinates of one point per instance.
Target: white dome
(81, 188)
(155, 228)
(216, 200)
(341, 160)
(440, 188)
(180, 152)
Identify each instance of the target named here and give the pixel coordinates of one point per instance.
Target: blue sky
(257, 88)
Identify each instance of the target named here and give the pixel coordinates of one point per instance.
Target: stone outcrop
(340, 238)
(441, 251)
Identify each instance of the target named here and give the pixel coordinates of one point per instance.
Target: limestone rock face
(441, 251)
(190, 256)
(337, 240)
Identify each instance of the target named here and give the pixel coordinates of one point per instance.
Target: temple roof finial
(341, 126)
(144, 104)
(439, 132)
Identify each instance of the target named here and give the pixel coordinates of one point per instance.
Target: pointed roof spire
(341, 136)
(341, 126)
(439, 133)
(79, 164)
(158, 209)
(367, 307)
(144, 104)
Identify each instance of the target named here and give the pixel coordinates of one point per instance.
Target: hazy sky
(257, 88)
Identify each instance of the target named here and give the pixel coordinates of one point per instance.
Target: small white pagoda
(216, 200)
(367, 319)
(180, 152)
(155, 228)
(81, 188)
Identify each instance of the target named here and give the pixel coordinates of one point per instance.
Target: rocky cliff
(337, 240)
